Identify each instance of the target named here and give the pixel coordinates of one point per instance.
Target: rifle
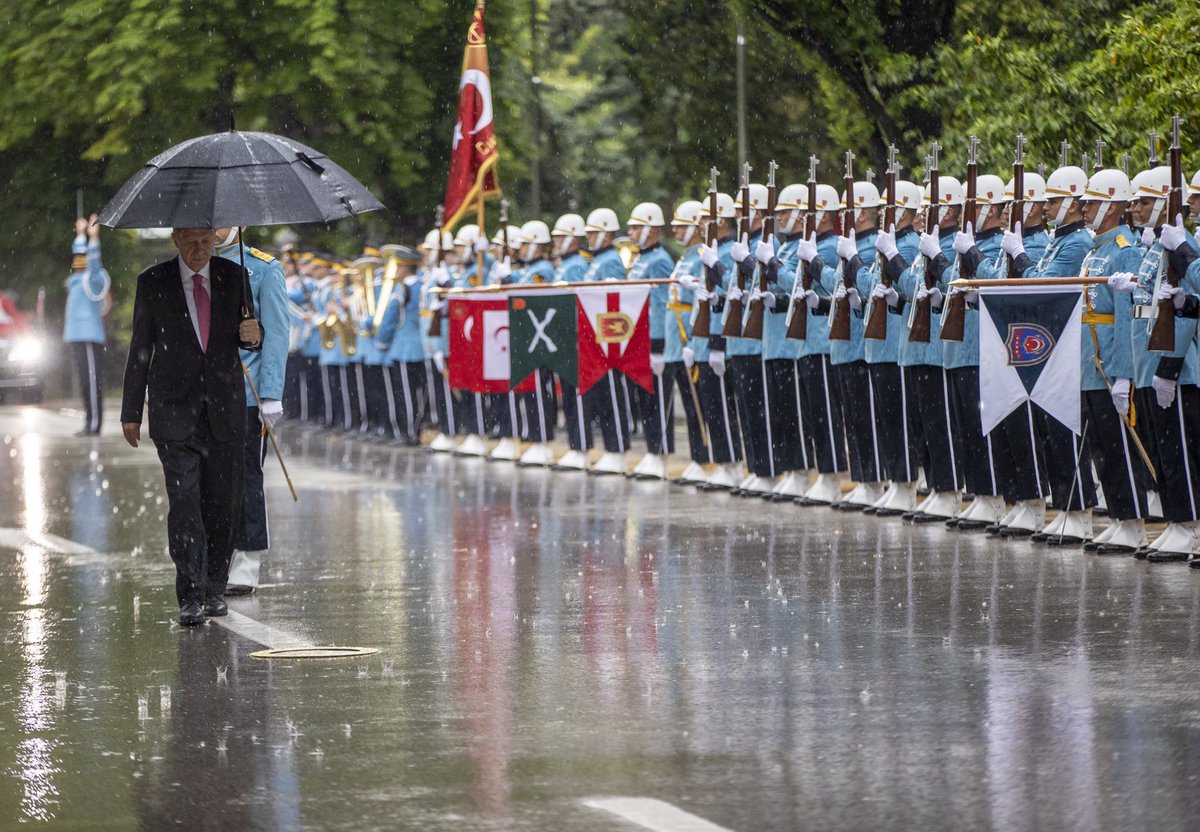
(876, 328)
(955, 320)
(1152, 159)
(839, 327)
(735, 309)
(1100, 145)
(797, 325)
(919, 331)
(79, 202)
(702, 325)
(1162, 333)
(504, 229)
(754, 324)
(1016, 212)
(435, 323)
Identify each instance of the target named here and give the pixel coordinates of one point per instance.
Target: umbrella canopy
(237, 178)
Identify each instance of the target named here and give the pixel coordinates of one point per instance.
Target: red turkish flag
(474, 154)
(479, 359)
(614, 334)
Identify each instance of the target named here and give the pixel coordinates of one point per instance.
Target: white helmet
(989, 195)
(1068, 182)
(646, 213)
(827, 200)
(1035, 191)
(866, 195)
(758, 198)
(1153, 184)
(1109, 186)
(603, 219)
(791, 201)
(687, 213)
(466, 235)
(950, 192)
(569, 225)
(1194, 186)
(908, 195)
(725, 209)
(431, 240)
(536, 231)
(514, 236)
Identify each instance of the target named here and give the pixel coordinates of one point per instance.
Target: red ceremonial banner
(479, 360)
(614, 334)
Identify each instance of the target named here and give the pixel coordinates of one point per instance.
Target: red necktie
(203, 312)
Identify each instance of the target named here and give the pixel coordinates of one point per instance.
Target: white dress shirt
(189, 289)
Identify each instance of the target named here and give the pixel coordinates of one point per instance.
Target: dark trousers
(473, 416)
(821, 409)
(408, 399)
(894, 401)
(1023, 464)
(677, 373)
(657, 416)
(1172, 431)
(293, 375)
(972, 449)
(444, 403)
(1121, 471)
(253, 533)
(933, 426)
(539, 409)
(789, 442)
(750, 394)
(577, 416)
(358, 383)
(505, 419)
(375, 386)
(87, 365)
(1071, 488)
(866, 454)
(312, 401)
(720, 415)
(611, 410)
(204, 503)
(337, 397)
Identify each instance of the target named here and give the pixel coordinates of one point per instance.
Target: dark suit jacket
(165, 357)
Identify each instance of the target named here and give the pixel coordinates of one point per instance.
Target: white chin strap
(1061, 216)
(857, 215)
(1101, 213)
(1156, 214)
(820, 217)
(789, 224)
(981, 217)
(640, 242)
(1025, 209)
(229, 240)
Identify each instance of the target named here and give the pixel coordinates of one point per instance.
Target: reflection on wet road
(549, 639)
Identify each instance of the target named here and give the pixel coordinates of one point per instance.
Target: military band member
(399, 337)
(540, 407)
(372, 369)
(83, 321)
(570, 235)
(507, 269)
(294, 392)
(313, 409)
(439, 278)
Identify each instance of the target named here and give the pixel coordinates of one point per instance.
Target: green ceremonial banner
(542, 330)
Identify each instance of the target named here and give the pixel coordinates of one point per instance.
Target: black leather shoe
(190, 614)
(993, 529)
(972, 525)
(216, 607)
(1114, 549)
(1143, 552)
(889, 512)
(1011, 531)
(1156, 556)
(1039, 537)
(952, 523)
(1091, 546)
(1194, 563)
(922, 517)
(1062, 540)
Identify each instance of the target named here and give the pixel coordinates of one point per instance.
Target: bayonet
(1153, 157)
(1100, 145)
(1064, 154)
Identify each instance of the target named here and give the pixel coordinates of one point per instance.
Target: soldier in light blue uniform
(372, 370)
(474, 418)
(438, 275)
(313, 407)
(399, 339)
(336, 378)
(677, 331)
(569, 235)
(1107, 391)
(294, 393)
(266, 368)
(83, 324)
(539, 408)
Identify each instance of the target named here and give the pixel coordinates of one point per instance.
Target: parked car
(23, 355)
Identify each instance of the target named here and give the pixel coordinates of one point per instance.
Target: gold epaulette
(259, 254)
(1122, 242)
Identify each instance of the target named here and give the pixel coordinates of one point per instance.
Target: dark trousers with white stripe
(752, 407)
(473, 416)
(821, 408)
(577, 416)
(253, 533)
(539, 409)
(1122, 474)
(657, 412)
(312, 405)
(1173, 433)
(505, 415)
(720, 415)
(678, 373)
(933, 426)
(893, 403)
(375, 385)
(1015, 442)
(611, 409)
(791, 448)
(445, 403)
(358, 379)
(293, 375)
(337, 397)
(87, 363)
(972, 449)
(858, 405)
(408, 399)
(1071, 488)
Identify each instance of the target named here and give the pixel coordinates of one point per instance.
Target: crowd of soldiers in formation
(886, 426)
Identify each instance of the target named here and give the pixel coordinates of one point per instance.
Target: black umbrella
(234, 179)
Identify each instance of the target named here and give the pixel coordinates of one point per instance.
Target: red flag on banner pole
(479, 360)
(473, 154)
(614, 334)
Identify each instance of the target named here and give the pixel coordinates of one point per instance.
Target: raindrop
(164, 698)
(143, 707)
(222, 673)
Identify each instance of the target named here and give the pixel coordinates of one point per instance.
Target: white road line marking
(16, 538)
(270, 637)
(652, 814)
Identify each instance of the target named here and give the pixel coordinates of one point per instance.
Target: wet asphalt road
(546, 638)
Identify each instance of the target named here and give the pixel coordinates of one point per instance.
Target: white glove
(1147, 237)
(689, 357)
(811, 299)
(689, 282)
(767, 298)
(703, 295)
(847, 247)
(1122, 281)
(971, 294)
(716, 360)
(733, 294)
(481, 245)
(440, 275)
(1012, 243)
(934, 294)
(504, 268)
(1172, 236)
(1173, 293)
(708, 255)
(889, 294)
(765, 250)
(1164, 391)
(272, 409)
(929, 245)
(1120, 396)
(808, 249)
(439, 361)
(843, 293)
(885, 243)
(657, 363)
(964, 241)
(436, 305)
(740, 250)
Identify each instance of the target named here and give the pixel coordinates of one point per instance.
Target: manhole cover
(314, 653)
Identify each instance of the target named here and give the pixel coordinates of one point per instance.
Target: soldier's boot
(441, 444)
(985, 510)
(538, 454)
(862, 496)
(473, 445)
(1128, 536)
(1174, 544)
(826, 490)
(692, 474)
(1068, 528)
(900, 497)
(506, 450)
(1027, 517)
(1098, 540)
(723, 477)
(791, 486)
(652, 467)
(572, 461)
(760, 486)
(1154, 505)
(611, 463)
(939, 505)
(244, 568)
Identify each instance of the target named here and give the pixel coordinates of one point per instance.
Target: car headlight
(26, 350)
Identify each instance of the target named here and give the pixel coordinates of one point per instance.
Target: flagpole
(479, 275)
(1029, 281)
(561, 286)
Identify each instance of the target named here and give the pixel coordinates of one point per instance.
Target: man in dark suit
(187, 328)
